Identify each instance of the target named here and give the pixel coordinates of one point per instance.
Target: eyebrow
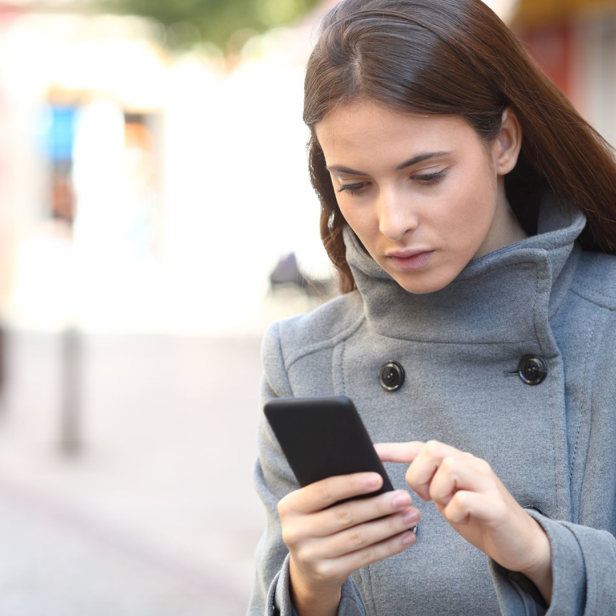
(420, 158)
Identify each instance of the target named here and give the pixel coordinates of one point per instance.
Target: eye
(430, 178)
(352, 189)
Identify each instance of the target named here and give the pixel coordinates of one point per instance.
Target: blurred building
(575, 43)
(81, 108)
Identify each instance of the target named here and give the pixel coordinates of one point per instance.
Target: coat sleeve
(274, 479)
(583, 555)
(583, 570)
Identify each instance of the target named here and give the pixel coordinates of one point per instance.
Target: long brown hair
(457, 57)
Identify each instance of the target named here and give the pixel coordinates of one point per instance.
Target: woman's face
(423, 193)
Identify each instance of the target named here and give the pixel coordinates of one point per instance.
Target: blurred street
(156, 514)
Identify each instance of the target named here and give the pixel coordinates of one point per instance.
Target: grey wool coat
(553, 445)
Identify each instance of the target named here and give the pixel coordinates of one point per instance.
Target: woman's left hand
(475, 503)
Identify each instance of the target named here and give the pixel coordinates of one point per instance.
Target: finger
(350, 514)
(399, 452)
(466, 505)
(422, 470)
(371, 533)
(378, 551)
(461, 472)
(322, 494)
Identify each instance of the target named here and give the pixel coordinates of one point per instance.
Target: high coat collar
(508, 295)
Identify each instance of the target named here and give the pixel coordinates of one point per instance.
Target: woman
(469, 211)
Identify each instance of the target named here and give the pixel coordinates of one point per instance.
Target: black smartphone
(323, 437)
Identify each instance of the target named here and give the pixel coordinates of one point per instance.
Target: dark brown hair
(457, 57)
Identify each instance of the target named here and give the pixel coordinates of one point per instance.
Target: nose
(396, 215)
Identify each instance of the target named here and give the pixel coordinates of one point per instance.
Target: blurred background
(155, 216)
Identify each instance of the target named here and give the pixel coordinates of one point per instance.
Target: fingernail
(408, 538)
(371, 481)
(401, 500)
(411, 516)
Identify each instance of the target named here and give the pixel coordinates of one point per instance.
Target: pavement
(155, 514)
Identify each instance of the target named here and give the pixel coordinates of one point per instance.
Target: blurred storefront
(575, 43)
(81, 118)
(140, 194)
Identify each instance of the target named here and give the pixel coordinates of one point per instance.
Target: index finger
(399, 452)
(322, 494)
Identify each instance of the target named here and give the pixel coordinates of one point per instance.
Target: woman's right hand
(327, 543)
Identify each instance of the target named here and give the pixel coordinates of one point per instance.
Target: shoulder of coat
(595, 279)
(322, 328)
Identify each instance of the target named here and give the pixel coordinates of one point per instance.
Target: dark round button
(391, 376)
(533, 369)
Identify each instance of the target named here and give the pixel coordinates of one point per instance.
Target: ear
(508, 143)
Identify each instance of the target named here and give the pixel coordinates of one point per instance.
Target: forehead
(361, 129)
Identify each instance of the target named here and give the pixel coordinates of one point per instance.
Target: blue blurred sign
(60, 136)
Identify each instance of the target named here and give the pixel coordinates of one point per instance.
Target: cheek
(361, 220)
(471, 210)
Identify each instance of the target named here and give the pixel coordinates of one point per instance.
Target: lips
(411, 259)
(405, 254)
